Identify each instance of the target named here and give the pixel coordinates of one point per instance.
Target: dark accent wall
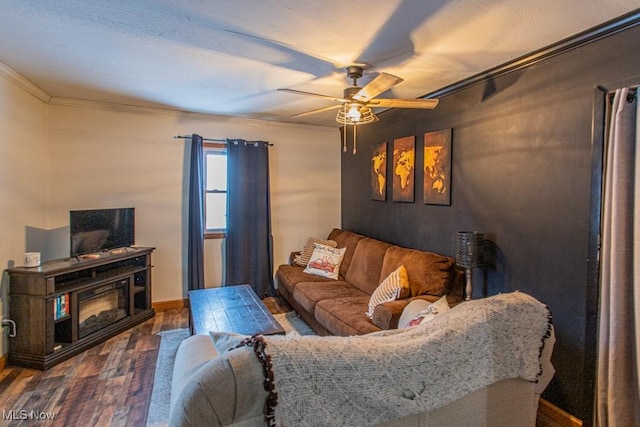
(522, 174)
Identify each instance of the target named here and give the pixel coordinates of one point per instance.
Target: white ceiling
(229, 57)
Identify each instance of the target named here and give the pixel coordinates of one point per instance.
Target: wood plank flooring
(107, 385)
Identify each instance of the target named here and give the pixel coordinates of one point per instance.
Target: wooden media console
(63, 307)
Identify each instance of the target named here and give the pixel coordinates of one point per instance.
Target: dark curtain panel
(195, 249)
(249, 251)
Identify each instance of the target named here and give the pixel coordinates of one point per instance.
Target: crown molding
(601, 31)
(23, 83)
(12, 76)
(129, 108)
(609, 28)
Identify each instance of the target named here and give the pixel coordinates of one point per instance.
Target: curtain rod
(222, 140)
(631, 96)
(204, 139)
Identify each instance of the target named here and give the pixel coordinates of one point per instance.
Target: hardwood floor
(107, 385)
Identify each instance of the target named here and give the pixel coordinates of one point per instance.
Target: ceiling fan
(356, 102)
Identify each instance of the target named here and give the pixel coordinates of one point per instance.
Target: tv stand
(63, 307)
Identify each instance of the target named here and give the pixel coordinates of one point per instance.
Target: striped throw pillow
(303, 258)
(394, 287)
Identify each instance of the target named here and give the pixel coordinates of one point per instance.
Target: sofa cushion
(394, 287)
(307, 294)
(288, 276)
(364, 271)
(345, 239)
(345, 316)
(429, 273)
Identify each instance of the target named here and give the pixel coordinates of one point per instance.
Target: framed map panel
(379, 172)
(437, 167)
(404, 155)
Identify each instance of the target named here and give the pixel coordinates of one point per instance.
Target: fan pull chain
(354, 139)
(344, 133)
(344, 139)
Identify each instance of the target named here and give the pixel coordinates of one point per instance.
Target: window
(215, 192)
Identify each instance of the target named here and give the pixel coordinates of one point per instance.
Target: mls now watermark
(27, 415)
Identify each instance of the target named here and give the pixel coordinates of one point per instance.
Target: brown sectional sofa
(338, 307)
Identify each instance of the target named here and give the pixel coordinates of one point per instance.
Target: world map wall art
(404, 155)
(437, 167)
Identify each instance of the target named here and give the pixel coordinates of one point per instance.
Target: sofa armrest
(227, 390)
(193, 353)
(387, 314)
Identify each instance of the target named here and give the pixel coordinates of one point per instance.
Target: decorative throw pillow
(427, 314)
(411, 311)
(395, 286)
(302, 259)
(325, 261)
(225, 341)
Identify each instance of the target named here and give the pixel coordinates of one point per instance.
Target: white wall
(23, 174)
(111, 156)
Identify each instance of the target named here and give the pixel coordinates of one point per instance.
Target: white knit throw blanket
(368, 379)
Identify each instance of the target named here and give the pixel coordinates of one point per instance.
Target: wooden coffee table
(230, 309)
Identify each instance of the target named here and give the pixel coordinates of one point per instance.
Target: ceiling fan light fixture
(355, 114)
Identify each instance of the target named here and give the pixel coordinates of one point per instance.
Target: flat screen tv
(98, 230)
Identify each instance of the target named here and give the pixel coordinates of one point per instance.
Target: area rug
(160, 396)
(158, 415)
(291, 321)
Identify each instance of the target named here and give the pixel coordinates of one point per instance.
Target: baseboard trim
(549, 415)
(166, 305)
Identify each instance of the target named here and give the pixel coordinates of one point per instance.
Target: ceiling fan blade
(426, 104)
(319, 110)
(375, 87)
(317, 95)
